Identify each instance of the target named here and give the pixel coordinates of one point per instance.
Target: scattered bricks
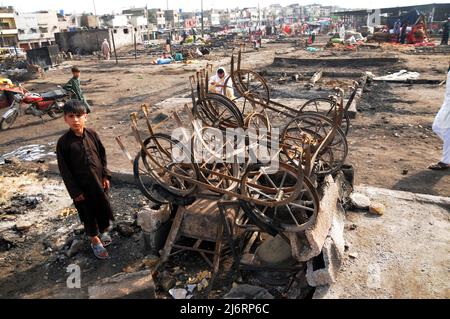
(359, 201)
(377, 209)
(304, 247)
(138, 285)
(322, 270)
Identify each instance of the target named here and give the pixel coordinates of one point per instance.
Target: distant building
(48, 25)
(139, 22)
(213, 17)
(114, 21)
(63, 21)
(88, 41)
(89, 21)
(172, 19)
(8, 28)
(157, 18)
(135, 12)
(189, 20)
(435, 14)
(28, 31)
(224, 17)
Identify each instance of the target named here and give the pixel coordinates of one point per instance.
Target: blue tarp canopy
(411, 17)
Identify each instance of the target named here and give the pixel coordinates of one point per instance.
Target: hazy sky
(106, 6)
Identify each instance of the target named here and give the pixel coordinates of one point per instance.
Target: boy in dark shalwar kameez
(82, 164)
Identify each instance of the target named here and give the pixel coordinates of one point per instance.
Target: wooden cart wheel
(170, 162)
(311, 129)
(145, 180)
(251, 89)
(258, 121)
(283, 200)
(326, 107)
(212, 153)
(217, 112)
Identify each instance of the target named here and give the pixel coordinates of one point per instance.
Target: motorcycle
(50, 103)
(7, 90)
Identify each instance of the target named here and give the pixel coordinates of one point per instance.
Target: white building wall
(27, 24)
(48, 25)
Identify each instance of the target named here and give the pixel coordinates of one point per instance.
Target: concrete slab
(138, 285)
(402, 254)
(309, 244)
(335, 62)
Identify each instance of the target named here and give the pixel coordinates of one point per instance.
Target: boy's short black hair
(75, 106)
(75, 69)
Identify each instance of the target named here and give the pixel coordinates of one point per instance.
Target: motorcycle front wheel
(8, 121)
(56, 111)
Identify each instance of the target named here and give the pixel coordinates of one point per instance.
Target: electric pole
(201, 17)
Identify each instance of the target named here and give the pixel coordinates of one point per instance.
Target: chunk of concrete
(308, 245)
(274, 251)
(323, 269)
(155, 227)
(337, 229)
(138, 285)
(150, 220)
(359, 201)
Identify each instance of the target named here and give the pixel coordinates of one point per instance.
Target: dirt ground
(406, 257)
(390, 145)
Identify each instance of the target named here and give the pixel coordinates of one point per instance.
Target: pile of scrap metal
(20, 70)
(279, 221)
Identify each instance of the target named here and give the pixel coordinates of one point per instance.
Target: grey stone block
(138, 285)
(323, 269)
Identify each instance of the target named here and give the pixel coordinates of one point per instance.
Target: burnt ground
(390, 145)
(391, 134)
(34, 261)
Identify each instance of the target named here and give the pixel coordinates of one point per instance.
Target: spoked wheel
(252, 89)
(57, 111)
(258, 122)
(217, 111)
(326, 107)
(145, 180)
(212, 154)
(281, 201)
(310, 130)
(170, 163)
